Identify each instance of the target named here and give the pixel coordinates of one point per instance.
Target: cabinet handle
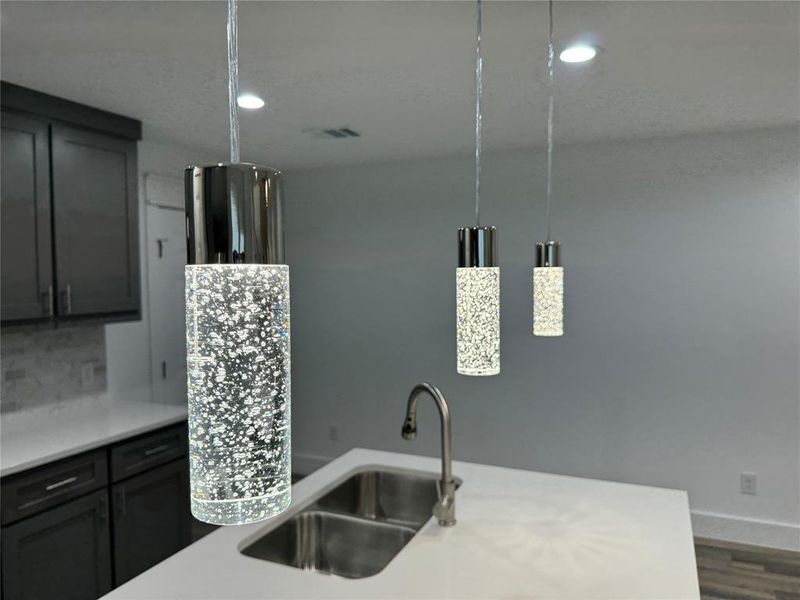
(103, 509)
(58, 484)
(120, 501)
(66, 299)
(47, 301)
(156, 450)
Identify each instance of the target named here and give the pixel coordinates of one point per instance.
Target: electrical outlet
(87, 374)
(333, 432)
(749, 483)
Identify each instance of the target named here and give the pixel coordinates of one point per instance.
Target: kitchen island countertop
(520, 534)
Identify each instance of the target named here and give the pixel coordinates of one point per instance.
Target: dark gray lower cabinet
(63, 553)
(151, 518)
(76, 528)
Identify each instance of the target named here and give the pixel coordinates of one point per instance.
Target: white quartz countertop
(32, 438)
(520, 534)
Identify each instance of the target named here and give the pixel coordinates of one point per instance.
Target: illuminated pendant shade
(477, 302)
(478, 276)
(548, 290)
(548, 275)
(237, 344)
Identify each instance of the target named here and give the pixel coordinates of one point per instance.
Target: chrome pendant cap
(477, 247)
(233, 214)
(548, 254)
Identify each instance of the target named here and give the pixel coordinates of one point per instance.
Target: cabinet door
(62, 553)
(151, 518)
(27, 277)
(96, 222)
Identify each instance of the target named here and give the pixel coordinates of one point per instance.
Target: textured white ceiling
(401, 72)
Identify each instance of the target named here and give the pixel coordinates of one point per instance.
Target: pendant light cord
(478, 115)
(233, 79)
(550, 111)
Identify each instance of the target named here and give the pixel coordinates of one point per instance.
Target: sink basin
(332, 543)
(355, 529)
(395, 497)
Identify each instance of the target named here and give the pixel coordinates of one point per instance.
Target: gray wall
(679, 366)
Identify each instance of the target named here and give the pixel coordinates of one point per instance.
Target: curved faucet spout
(444, 510)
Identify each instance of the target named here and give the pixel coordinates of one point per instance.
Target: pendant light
(477, 275)
(237, 333)
(548, 274)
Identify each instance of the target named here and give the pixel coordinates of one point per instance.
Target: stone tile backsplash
(51, 366)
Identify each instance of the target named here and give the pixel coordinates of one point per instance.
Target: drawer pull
(58, 484)
(156, 450)
(103, 509)
(121, 508)
(66, 296)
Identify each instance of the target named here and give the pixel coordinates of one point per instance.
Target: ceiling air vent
(332, 132)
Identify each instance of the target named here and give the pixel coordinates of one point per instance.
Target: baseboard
(774, 534)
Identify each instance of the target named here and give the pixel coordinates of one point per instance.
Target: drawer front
(38, 489)
(148, 451)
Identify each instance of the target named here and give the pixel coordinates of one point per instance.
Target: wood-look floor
(730, 571)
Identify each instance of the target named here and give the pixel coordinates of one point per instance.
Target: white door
(166, 258)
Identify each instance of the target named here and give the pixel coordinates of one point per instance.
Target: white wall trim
(774, 534)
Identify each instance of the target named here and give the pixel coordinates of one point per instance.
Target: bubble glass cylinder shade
(477, 303)
(548, 291)
(548, 301)
(478, 320)
(238, 345)
(239, 384)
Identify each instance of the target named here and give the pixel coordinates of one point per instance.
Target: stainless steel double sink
(355, 529)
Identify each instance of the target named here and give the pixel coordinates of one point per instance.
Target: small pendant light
(477, 275)
(237, 334)
(548, 274)
(548, 290)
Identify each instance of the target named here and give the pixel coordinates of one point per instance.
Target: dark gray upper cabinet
(70, 232)
(63, 553)
(95, 220)
(151, 518)
(27, 275)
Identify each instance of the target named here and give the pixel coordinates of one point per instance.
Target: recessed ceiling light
(578, 53)
(250, 101)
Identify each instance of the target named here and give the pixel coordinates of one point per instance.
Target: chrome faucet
(445, 508)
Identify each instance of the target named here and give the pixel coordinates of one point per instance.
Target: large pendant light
(237, 334)
(478, 276)
(548, 274)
